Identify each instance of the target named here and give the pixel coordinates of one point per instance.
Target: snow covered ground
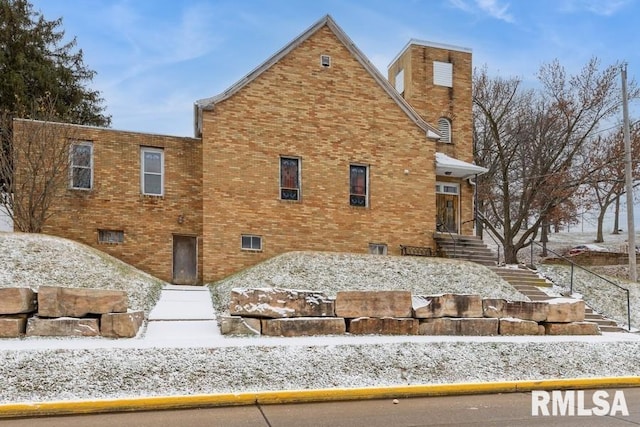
(35, 369)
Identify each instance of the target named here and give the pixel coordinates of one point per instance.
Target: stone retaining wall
(56, 311)
(285, 312)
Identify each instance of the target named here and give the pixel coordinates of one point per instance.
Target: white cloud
(597, 7)
(493, 8)
(496, 10)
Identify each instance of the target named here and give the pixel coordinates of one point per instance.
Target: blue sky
(154, 58)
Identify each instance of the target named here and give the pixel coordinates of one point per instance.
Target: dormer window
(444, 126)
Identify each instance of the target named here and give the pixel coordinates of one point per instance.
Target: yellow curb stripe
(32, 409)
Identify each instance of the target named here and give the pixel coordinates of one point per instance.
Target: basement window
(377, 248)
(111, 236)
(250, 242)
(325, 61)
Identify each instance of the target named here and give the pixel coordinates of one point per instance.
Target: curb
(37, 409)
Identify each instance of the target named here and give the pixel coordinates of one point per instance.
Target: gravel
(246, 364)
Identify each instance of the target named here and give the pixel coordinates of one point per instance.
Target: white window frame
(72, 166)
(252, 238)
(451, 188)
(446, 134)
(378, 248)
(367, 185)
(144, 150)
(325, 61)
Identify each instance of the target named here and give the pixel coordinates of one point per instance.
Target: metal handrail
(441, 224)
(573, 265)
(490, 234)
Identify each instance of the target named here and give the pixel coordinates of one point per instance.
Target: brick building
(312, 150)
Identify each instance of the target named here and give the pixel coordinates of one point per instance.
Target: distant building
(312, 150)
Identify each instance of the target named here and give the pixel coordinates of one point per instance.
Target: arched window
(444, 126)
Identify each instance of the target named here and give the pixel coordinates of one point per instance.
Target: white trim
(72, 166)
(252, 237)
(454, 168)
(144, 150)
(425, 43)
(440, 189)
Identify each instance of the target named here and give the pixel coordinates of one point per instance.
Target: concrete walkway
(182, 312)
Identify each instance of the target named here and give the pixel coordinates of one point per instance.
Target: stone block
(236, 325)
(572, 328)
(511, 326)
(303, 326)
(56, 301)
(62, 327)
(353, 304)
(17, 300)
(12, 326)
(121, 325)
(565, 310)
(278, 303)
(458, 326)
(383, 326)
(447, 305)
(526, 310)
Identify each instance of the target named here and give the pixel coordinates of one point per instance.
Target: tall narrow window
(444, 126)
(289, 178)
(400, 82)
(358, 185)
(81, 165)
(152, 168)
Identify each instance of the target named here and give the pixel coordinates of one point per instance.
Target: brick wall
(329, 118)
(433, 102)
(116, 203)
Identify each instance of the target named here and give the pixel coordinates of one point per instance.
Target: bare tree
(38, 161)
(532, 141)
(604, 164)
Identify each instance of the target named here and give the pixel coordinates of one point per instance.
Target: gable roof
(209, 103)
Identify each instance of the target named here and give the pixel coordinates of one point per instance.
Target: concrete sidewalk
(181, 312)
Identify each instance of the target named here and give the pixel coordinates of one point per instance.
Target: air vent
(325, 61)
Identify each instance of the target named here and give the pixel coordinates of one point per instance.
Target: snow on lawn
(333, 272)
(34, 369)
(34, 260)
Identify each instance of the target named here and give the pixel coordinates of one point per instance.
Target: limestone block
(302, 326)
(572, 328)
(12, 326)
(383, 326)
(236, 325)
(564, 310)
(62, 327)
(278, 303)
(56, 301)
(454, 326)
(121, 325)
(526, 310)
(447, 305)
(17, 300)
(511, 326)
(353, 304)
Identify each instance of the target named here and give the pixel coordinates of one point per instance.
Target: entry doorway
(185, 260)
(447, 207)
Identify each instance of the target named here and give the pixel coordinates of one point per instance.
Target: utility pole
(633, 274)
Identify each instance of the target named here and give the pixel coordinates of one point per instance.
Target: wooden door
(447, 212)
(185, 260)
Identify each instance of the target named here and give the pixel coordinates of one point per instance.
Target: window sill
(250, 250)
